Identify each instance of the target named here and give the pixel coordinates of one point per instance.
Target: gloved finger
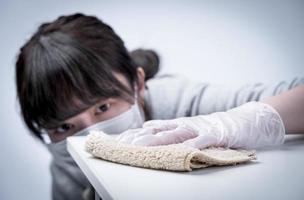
(157, 122)
(126, 135)
(159, 128)
(129, 135)
(202, 141)
(146, 140)
(177, 135)
(160, 125)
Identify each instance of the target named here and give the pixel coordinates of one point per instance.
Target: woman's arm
(251, 125)
(290, 106)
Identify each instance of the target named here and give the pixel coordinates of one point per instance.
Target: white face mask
(72, 175)
(132, 118)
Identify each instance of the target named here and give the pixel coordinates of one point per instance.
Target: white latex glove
(251, 125)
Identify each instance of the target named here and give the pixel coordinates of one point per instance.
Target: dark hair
(148, 60)
(68, 65)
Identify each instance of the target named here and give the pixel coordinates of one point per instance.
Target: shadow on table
(219, 169)
(295, 139)
(292, 142)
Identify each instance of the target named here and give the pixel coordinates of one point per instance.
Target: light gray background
(232, 42)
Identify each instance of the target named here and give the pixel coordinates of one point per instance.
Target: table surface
(278, 173)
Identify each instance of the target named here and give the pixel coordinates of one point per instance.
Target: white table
(277, 174)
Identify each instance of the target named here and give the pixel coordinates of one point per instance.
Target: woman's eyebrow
(102, 100)
(55, 126)
(52, 127)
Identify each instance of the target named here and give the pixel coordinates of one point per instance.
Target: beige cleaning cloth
(173, 157)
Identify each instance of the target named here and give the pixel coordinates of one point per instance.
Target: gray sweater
(170, 96)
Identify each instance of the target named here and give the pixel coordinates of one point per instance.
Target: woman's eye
(103, 108)
(64, 128)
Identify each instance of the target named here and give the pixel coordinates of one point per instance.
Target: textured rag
(173, 157)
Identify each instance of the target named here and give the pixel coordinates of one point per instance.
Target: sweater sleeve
(221, 98)
(172, 96)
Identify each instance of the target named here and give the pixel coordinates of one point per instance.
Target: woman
(75, 74)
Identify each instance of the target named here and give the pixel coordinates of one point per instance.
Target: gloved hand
(248, 126)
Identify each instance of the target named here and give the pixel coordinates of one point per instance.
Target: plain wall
(227, 42)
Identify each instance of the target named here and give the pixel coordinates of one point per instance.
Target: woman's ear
(141, 81)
